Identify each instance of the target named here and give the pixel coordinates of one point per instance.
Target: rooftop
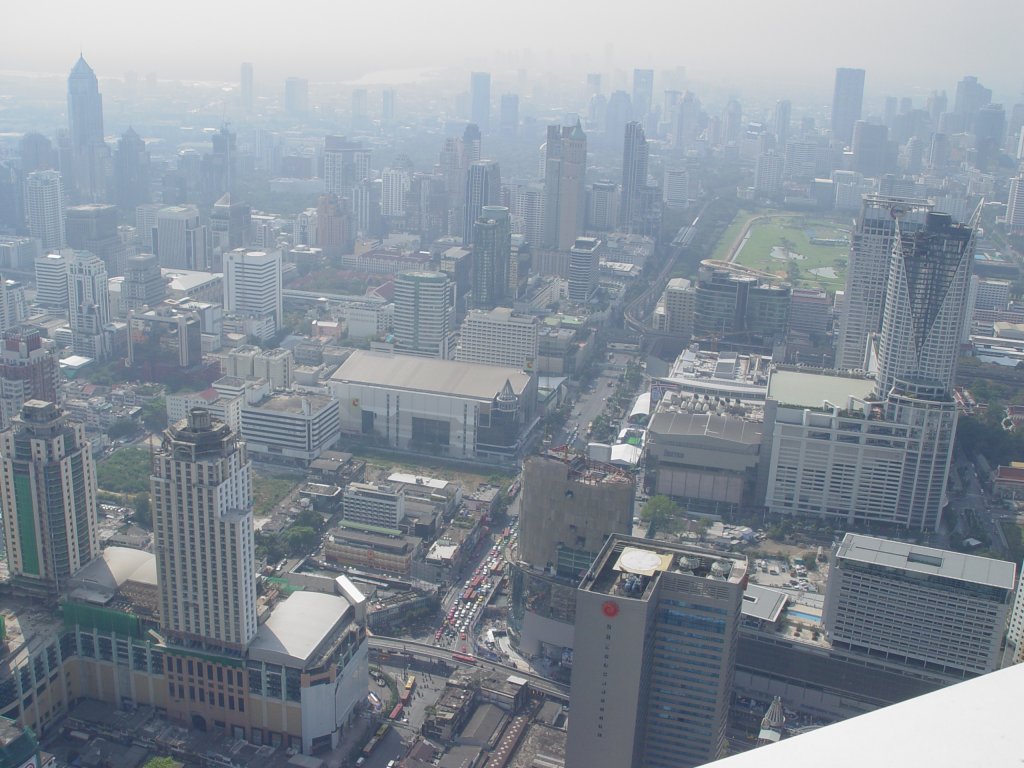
(409, 479)
(297, 627)
(99, 580)
(811, 388)
(727, 427)
(763, 603)
(899, 555)
(742, 376)
(417, 374)
(293, 404)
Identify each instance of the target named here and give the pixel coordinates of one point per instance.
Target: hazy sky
(903, 44)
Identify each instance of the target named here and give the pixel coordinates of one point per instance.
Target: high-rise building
(85, 132)
(396, 183)
(739, 311)
(296, 96)
(36, 153)
(13, 305)
(203, 534)
(603, 206)
(870, 148)
(253, 287)
(52, 281)
(230, 222)
(346, 164)
(678, 187)
(48, 498)
(89, 307)
(634, 175)
(492, 251)
(780, 122)
(131, 172)
(847, 102)
(584, 258)
(509, 115)
(424, 320)
(643, 93)
(93, 227)
(28, 371)
(1015, 206)
(868, 272)
(675, 312)
(657, 628)
(480, 99)
(483, 187)
(143, 285)
(180, 238)
(335, 230)
(971, 96)
(768, 173)
(928, 608)
(245, 86)
(387, 105)
(360, 109)
(44, 208)
(499, 337)
(565, 170)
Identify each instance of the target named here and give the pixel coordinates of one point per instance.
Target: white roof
(408, 479)
(297, 627)
(100, 579)
(971, 723)
(809, 389)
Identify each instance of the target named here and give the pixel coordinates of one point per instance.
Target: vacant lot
(270, 490)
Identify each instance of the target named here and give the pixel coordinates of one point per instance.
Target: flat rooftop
(297, 626)
(406, 478)
(763, 603)
(726, 427)
(899, 555)
(293, 404)
(418, 374)
(810, 389)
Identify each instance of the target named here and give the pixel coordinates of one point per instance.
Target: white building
(89, 306)
(583, 267)
(1015, 203)
(373, 504)
(277, 366)
(290, 429)
(499, 337)
(939, 610)
(252, 286)
(674, 313)
(44, 208)
(396, 184)
(180, 239)
(52, 281)
(442, 407)
(424, 319)
(676, 191)
(768, 174)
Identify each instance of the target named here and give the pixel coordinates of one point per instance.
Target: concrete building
(424, 320)
(29, 370)
(657, 628)
(252, 287)
(584, 258)
(180, 239)
(483, 188)
(277, 366)
(51, 272)
(492, 254)
(929, 608)
(89, 305)
(634, 177)
(499, 337)
(847, 101)
(1015, 203)
(290, 429)
(44, 208)
(675, 311)
(739, 310)
(461, 410)
(565, 166)
(373, 504)
(48, 499)
(603, 206)
(144, 285)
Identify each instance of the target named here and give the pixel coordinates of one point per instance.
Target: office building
(603, 206)
(584, 260)
(29, 370)
(164, 342)
(89, 155)
(181, 241)
(51, 272)
(131, 172)
(335, 228)
(395, 186)
(738, 309)
(387, 105)
(253, 288)
(230, 224)
(44, 208)
(296, 96)
(565, 168)
(678, 187)
(675, 311)
(483, 188)
(346, 164)
(509, 115)
(781, 121)
(13, 306)
(143, 285)
(93, 227)
(634, 176)
(202, 484)
(492, 252)
(929, 608)
(643, 93)
(657, 630)
(373, 504)
(89, 307)
(870, 148)
(867, 274)
(499, 337)
(424, 320)
(276, 366)
(768, 174)
(48, 499)
(847, 101)
(287, 429)
(480, 99)
(1015, 205)
(245, 86)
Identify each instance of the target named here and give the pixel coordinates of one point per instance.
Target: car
(462, 636)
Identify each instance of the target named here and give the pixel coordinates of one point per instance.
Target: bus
(465, 658)
(406, 694)
(396, 712)
(376, 739)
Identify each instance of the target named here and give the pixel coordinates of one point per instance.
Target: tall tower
(44, 208)
(584, 258)
(245, 86)
(296, 96)
(634, 174)
(483, 187)
(252, 285)
(48, 498)
(180, 238)
(85, 130)
(89, 304)
(780, 123)
(424, 321)
(565, 168)
(870, 253)
(492, 251)
(203, 534)
(847, 101)
(131, 172)
(657, 627)
(643, 93)
(480, 99)
(51, 271)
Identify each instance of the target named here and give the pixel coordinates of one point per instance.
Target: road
(426, 651)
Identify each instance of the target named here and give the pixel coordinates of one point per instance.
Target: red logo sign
(610, 609)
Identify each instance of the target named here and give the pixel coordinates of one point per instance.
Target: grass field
(721, 252)
(269, 490)
(792, 235)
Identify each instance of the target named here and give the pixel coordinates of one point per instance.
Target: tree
(659, 510)
(154, 414)
(122, 428)
(143, 514)
(810, 559)
(301, 540)
(309, 518)
(162, 762)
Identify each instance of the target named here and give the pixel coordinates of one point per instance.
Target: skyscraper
(847, 101)
(387, 105)
(89, 308)
(346, 164)
(85, 132)
(780, 123)
(131, 172)
(480, 99)
(870, 148)
(93, 227)
(1015, 205)
(483, 187)
(28, 371)
(180, 238)
(634, 175)
(583, 266)
(253, 287)
(643, 93)
(868, 271)
(48, 498)
(245, 86)
(44, 208)
(424, 321)
(492, 251)
(509, 116)
(296, 96)
(203, 534)
(565, 168)
(51, 270)
(656, 636)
